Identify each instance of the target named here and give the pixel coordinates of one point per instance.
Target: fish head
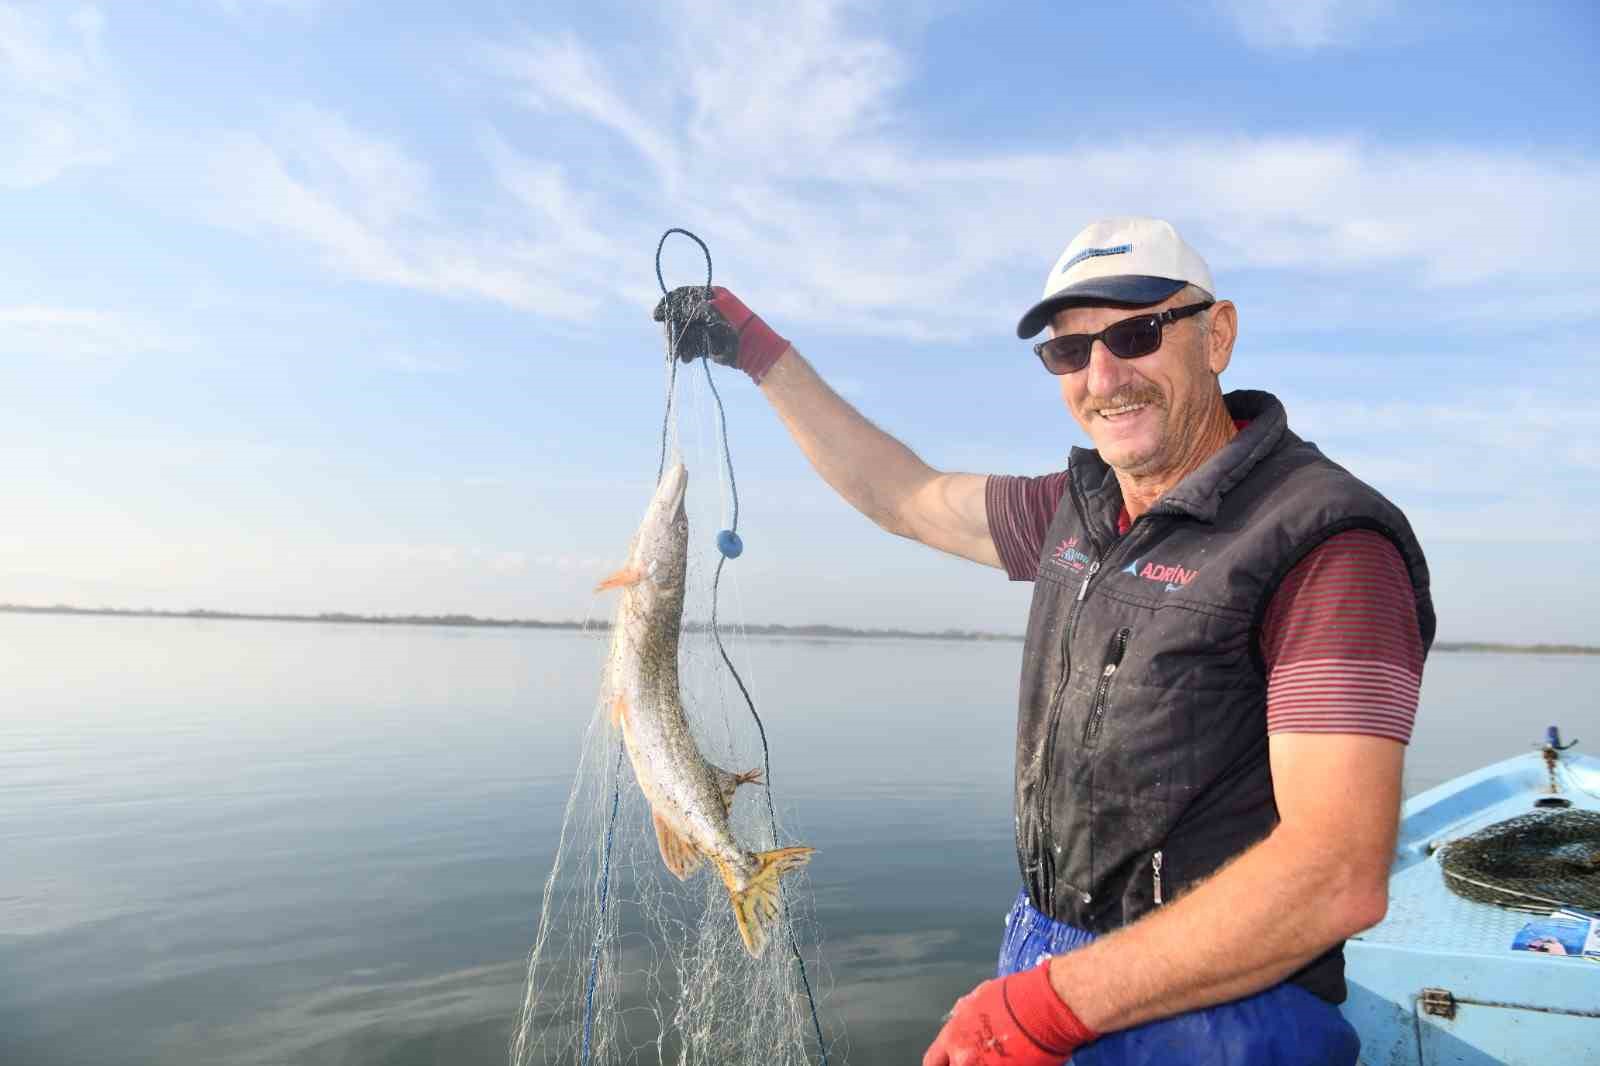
(661, 551)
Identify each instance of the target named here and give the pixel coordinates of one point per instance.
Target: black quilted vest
(1142, 735)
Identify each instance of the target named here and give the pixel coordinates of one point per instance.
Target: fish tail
(757, 905)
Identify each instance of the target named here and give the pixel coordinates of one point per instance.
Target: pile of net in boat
(1540, 860)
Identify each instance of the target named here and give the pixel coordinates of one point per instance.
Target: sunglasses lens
(1135, 337)
(1065, 355)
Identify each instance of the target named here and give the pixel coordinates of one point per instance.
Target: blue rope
(766, 757)
(716, 633)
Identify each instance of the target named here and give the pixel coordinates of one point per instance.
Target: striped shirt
(1340, 638)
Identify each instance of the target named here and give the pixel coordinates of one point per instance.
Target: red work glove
(715, 322)
(1012, 1021)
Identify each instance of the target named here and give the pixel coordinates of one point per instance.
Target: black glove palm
(696, 327)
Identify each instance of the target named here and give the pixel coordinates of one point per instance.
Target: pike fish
(690, 799)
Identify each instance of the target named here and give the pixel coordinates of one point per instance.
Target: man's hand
(1012, 1021)
(714, 322)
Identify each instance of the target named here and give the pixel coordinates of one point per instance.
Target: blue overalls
(1280, 1026)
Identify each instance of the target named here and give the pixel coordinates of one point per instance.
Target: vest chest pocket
(1102, 690)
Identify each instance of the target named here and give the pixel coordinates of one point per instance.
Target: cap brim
(1120, 290)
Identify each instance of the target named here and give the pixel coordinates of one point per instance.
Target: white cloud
(859, 226)
(66, 332)
(282, 573)
(829, 86)
(60, 104)
(373, 213)
(826, 208)
(413, 363)
(1302, 24)
(561, 74)
(1469, 466)
(242, 8)
(263, 192)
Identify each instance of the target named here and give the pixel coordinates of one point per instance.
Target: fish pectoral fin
(628, 575)
(681, 857)
(729, 783)
(619, 711)
(758, 905)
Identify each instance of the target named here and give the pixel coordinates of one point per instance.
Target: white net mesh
(629, 964)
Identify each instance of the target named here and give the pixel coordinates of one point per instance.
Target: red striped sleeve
(1020, 509)
(1341, 643)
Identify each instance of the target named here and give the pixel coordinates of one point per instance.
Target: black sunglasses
(1127, 339)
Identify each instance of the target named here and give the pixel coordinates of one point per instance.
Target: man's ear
(1224, 331)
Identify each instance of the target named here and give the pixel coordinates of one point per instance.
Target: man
(1222, 664)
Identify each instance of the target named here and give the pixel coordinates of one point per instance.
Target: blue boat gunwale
(1432, 938)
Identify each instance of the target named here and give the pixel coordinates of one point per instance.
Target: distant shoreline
(472, 621)
(601, 625)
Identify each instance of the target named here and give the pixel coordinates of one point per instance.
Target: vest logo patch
(1173, 577)
(1069, 555)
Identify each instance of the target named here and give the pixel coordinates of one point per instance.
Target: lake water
(298, 843)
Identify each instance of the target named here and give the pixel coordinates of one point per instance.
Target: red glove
(716, 323)
(1012, 1021)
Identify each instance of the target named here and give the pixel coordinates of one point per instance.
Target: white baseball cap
(1120, 262)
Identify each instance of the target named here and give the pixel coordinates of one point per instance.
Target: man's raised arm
(874, 472)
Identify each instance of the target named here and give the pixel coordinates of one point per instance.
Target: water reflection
(325, 844)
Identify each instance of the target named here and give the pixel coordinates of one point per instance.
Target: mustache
(1130, 394)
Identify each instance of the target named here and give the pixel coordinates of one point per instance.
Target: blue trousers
(1279, 1026)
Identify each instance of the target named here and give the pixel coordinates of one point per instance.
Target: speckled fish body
(690, 799)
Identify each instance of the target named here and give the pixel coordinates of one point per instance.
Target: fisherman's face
(1142, 414)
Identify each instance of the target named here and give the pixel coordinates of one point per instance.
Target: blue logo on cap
(1091, 253)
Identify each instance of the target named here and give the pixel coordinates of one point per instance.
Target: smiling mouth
(1114, 413)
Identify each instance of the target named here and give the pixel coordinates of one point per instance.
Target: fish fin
(729, 782)
(628, 575)
(756, 907)
(619, 710)
(681, 857)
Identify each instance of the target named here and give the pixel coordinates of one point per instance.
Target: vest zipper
(1097, 712)
(1155, 866)
(1052, 719)
(1046, 836)
(1066, 651)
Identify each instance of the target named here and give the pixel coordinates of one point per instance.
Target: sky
(326, 305)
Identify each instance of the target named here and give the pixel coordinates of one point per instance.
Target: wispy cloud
(857, 223)
(1302, 24)
(239, 8)
(67, 332)
(875, 230)
(561, 74)
(60, 104)
(532, 173)
(1473, 465)
(285, 569)
(373, 213)
(413, 363)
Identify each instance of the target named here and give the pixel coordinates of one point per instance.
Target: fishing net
(1539, 860)
(629, 964)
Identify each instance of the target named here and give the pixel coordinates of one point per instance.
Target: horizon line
(810, 629)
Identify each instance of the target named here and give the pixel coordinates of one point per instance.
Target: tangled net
(629, 964)
(672, 980)
(1542, 860)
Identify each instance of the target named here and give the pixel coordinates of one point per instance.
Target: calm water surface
(279, 843)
